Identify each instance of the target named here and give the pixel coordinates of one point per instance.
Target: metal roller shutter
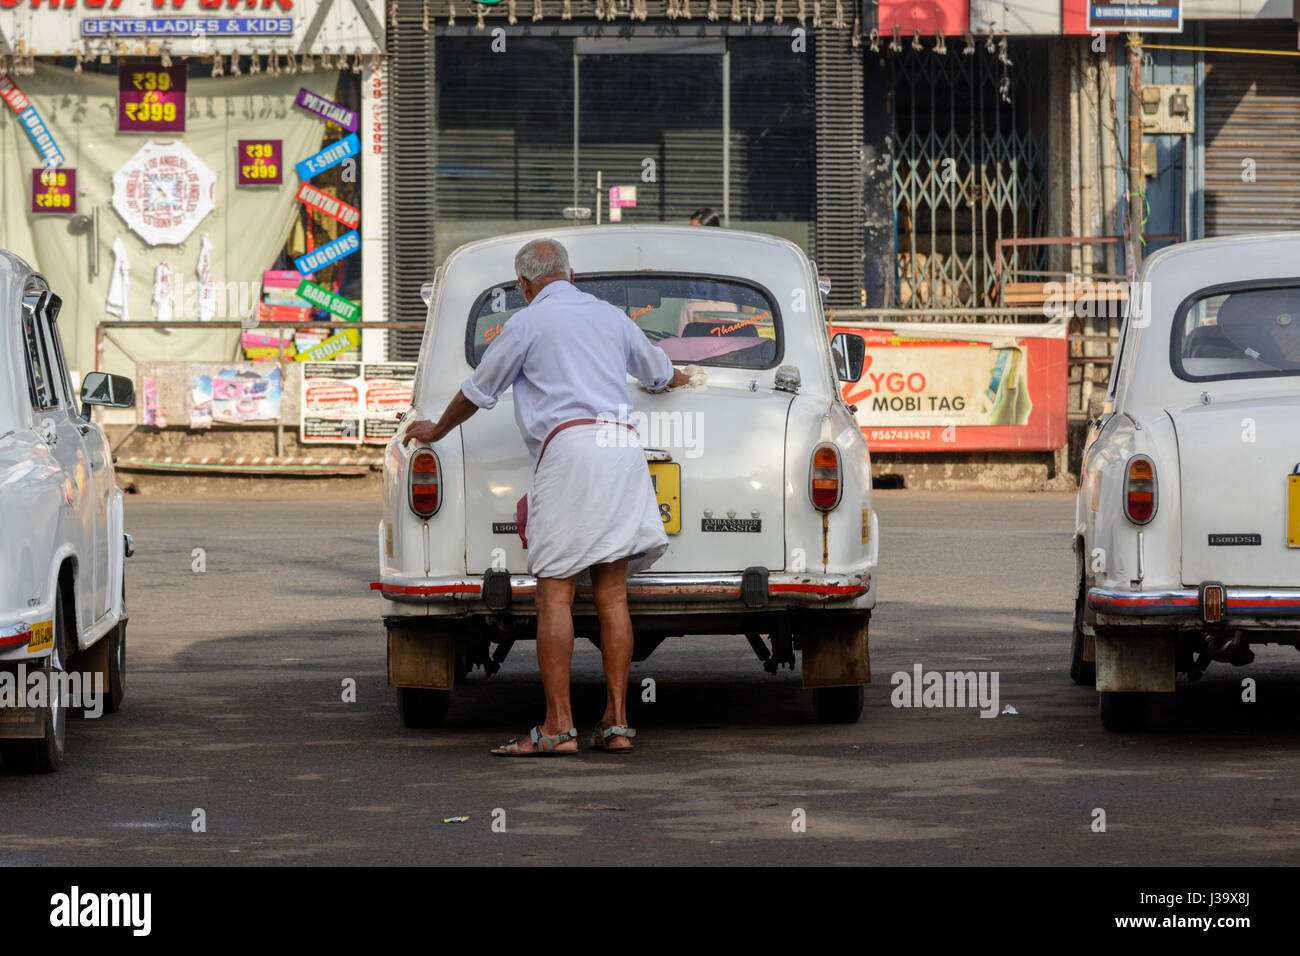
(411, 155)
(838, 244)
(1252, 112)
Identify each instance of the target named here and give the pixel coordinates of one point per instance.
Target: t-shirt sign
(331, 155)
(54, 191)
(151, 99)
(259, 162)
(336, 113)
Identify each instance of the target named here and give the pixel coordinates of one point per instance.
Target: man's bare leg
(609, 581)
(554, 655)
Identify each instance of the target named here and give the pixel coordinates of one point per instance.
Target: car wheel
(838, 705)
(116, 669)
(1081, 672)
(45, 755)
(419, 707)
(1127, 710)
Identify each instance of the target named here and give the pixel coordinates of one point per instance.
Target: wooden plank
(418, 657)
(838, 657)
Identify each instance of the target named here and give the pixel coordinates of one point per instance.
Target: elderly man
(592, 505)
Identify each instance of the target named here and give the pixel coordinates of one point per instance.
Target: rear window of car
(1245, 332)
(697, 320)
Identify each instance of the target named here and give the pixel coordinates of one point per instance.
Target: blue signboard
(344, 245)
(1136, 16)
(41, 136)
(187, 26)
(331, 155)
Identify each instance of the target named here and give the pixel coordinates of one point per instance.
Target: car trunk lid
(721, 445)
(1235, 465)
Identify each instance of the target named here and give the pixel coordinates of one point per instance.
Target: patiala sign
(163, 192)
(327, 109)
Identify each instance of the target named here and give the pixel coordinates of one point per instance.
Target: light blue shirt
(568, 355)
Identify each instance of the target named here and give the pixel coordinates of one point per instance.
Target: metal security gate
(1252, 131)
(969, 168)
(409, 200)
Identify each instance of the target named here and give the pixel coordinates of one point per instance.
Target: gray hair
(540, 259)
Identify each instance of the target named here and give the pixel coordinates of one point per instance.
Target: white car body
(756, 440)
(60, 508)
(1217, 566)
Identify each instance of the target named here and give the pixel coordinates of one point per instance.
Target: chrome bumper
(723, 591)
(1241, 605)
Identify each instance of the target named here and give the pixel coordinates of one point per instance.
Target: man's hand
(424, 431)
(679, 379)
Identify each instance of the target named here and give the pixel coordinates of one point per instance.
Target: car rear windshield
(1247, 332)
(695, 319)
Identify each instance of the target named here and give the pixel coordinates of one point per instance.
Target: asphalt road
(234, 706)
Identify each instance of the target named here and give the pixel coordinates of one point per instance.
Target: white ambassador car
(1188, 522)
(62, 607)
(762, 474)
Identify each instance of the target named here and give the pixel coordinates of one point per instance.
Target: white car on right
(1187, 533)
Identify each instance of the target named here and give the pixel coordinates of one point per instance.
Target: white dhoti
(592, 502)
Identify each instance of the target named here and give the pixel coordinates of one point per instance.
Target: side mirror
(101, 388)
(850, 355)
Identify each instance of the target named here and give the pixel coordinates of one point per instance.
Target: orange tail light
(1140, 490)
(824, 477)
(425, 484)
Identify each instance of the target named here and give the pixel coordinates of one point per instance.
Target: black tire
(46, 754)
(838, 705)
(419, 707)
(1082, 672)
(1123, 711)
(116, 688)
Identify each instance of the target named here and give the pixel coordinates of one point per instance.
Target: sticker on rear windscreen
(731, 524)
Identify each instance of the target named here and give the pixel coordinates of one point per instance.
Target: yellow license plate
(667, 479)
(42, 638)
(1293, 511)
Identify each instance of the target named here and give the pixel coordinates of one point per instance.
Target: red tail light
(824, 477)
(1140, 490)
(426, 484)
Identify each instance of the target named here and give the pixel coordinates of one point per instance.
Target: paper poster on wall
(239, 396)
(388, 395)
(201, 402)
(331, 402)
(351, 402)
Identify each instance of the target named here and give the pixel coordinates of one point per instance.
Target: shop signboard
(54, 191)
(1136, 16)
(943, 387)
(151, 98)
(259, 162)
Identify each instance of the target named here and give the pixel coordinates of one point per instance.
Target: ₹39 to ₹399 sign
(151, 98)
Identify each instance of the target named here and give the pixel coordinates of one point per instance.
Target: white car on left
(62, 540)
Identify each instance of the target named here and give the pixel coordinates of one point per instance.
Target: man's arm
(458, 410)
(495, 373)
(650, 364)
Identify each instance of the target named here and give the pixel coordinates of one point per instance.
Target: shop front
(190, 180)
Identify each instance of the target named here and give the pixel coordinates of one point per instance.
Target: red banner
(323, 202)
(940, 388)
